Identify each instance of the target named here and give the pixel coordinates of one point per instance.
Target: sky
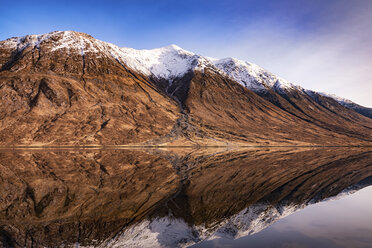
(323, 45)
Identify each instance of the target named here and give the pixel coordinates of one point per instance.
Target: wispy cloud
(336, 57)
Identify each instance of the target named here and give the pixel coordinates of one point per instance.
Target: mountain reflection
(142, 198)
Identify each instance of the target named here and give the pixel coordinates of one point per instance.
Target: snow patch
(251, 75)
(160, 232)
(343, 101)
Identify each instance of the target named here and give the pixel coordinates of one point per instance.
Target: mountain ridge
(227, 65)
(50, 80)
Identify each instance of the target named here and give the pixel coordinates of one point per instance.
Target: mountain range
(66, 88)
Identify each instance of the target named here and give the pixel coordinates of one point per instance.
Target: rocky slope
(67, 88)
(351, 105)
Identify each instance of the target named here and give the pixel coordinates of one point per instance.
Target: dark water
(257, 197)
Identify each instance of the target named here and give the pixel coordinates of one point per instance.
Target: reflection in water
(344, 221)
(147, 198)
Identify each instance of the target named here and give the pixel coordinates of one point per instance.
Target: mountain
(351, 105)
(67, 88)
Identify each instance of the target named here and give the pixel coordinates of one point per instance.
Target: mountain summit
(67, 88)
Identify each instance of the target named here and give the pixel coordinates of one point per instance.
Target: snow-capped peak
(174, 47)
(251, 75)
(167, 62)
(60, 39)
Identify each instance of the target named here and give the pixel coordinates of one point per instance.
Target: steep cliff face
(67, 88)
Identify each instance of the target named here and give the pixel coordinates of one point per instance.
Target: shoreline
(173, 146)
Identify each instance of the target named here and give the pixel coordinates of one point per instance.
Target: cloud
(320, 45)
(333, 56)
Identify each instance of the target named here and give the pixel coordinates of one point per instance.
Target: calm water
(342, 222)
(257, 197)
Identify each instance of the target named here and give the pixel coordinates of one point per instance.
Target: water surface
(345, 221)
(257, 197)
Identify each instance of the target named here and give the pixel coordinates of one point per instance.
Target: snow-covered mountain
(167, 63)
(68, 89)
(224, 98)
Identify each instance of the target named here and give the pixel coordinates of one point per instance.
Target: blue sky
(321, 45)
